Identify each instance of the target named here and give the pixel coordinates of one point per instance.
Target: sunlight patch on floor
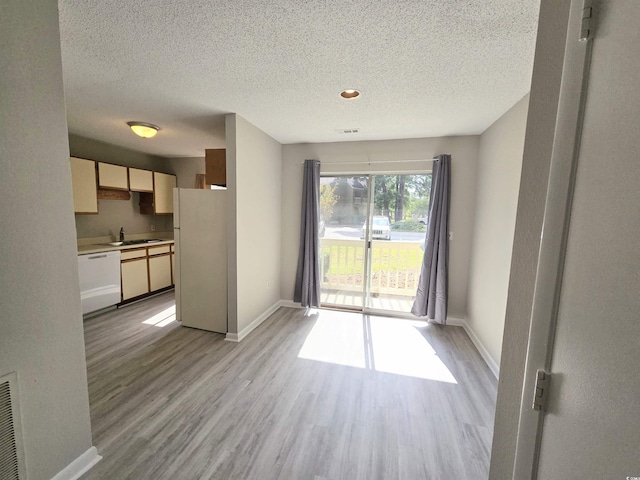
(336, 339)
(163, 318)
(374, 343)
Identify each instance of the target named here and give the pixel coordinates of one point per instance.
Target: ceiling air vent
(11, 452)
(349, 130)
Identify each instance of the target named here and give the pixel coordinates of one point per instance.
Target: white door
(592, 428)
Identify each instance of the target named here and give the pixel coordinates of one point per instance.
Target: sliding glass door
(372, 240)
(398, 223)
(343, 211)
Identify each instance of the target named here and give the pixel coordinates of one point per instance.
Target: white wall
(231, 121)
(114, 214)
(41, 336)
(499, 166)
(186, 170)
(92, 149)
(545, 87)
(254, 185)
(464, 153)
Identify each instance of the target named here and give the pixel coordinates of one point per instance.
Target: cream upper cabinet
(163, 192)
(140, 180)
(83, 179)
(112, 176)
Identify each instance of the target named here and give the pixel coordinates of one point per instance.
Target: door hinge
(585, 27)
(541, 391)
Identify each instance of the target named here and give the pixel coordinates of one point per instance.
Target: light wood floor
(329, 395)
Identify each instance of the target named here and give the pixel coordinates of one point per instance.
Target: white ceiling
(425, 68)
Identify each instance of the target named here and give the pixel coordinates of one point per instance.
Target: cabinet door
(83, 180)
(140, 180)
(216, 166)
(163, 192)
(112, 176)
(160, 272)
(135, 279)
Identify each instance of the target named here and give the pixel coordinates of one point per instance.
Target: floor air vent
(11, 457)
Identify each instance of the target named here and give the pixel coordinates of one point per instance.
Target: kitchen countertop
(102, 245)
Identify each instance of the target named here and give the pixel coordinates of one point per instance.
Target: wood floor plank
(169, 402)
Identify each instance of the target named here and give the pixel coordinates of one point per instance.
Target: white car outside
(381, 228)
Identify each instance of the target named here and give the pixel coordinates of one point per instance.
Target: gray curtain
(307, 289)
(431, 297)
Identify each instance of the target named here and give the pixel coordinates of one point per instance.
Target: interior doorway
(372, 233)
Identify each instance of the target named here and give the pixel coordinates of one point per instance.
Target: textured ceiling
(425, 68)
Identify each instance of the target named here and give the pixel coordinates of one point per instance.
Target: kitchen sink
(138, 242)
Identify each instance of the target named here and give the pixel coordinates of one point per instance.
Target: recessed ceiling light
(350, 93)
(144, 130)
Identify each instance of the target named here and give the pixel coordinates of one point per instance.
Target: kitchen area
(127, 213)
(117, 274)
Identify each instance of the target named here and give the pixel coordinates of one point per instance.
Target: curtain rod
(374, 161)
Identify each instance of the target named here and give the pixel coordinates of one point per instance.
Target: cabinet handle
(97, 256)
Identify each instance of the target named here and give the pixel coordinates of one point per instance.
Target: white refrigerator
(200, 234)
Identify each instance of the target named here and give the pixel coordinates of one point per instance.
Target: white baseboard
(456, 322)
(79, 466)
(290, 304)
(237, 337)
(484, 353)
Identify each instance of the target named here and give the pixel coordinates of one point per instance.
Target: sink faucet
(122, 234)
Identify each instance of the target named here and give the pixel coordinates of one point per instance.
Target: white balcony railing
(395, 266)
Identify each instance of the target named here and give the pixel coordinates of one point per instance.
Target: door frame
(548, 281)
(366, 289)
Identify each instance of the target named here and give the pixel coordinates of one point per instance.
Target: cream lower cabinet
(135, 273)
(146, 270)
(159, 267)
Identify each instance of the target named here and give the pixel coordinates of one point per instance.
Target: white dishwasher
(99, 280)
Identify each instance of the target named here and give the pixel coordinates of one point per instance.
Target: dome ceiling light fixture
(144, 130)
(350, 93)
